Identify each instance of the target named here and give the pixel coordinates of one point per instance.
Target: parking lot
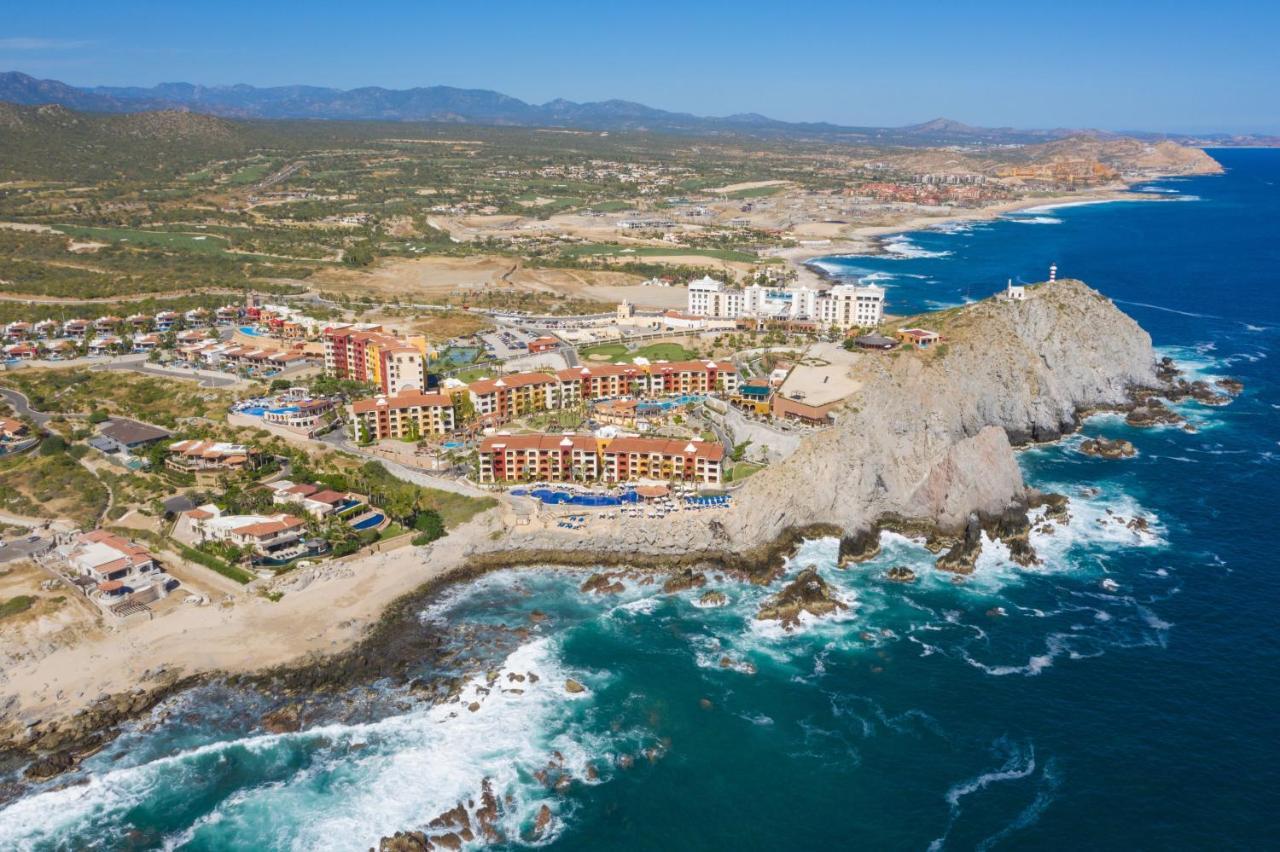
(23, 547)
(507, 341)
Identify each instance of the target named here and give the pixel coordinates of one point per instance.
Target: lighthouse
(1053, 272)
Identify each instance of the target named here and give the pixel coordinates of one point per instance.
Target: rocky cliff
(928, 439)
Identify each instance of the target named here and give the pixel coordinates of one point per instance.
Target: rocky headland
(926, 448)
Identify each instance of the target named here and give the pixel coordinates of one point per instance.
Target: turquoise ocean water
(1121, 696)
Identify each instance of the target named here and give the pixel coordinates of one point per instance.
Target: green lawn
(654, 352)
(202, 243)
(739, 471)
(755, 192)
(250, 174)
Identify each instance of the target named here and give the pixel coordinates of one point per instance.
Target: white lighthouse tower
(1053, 272)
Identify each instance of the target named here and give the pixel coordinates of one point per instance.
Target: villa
(113, 572)
(262, 534)
(315, 500)
(918, 337)
(192, 456)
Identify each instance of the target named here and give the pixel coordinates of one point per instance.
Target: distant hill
(482, 106)
(475, 106)
(53, 140)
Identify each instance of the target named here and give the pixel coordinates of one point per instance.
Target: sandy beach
(333, 611)
(865, 239)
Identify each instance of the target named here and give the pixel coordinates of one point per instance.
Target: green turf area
(741, 470)
(653, 351)
(755, 192)
(249, 174)
(204, 243)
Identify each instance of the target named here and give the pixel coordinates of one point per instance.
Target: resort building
(552, 458)
(842, 306)
(408, 415)
(584, 458)
(192, 456)
(499, 400)
(367, 353)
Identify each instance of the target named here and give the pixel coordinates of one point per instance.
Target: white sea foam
(901, 246)
(1063, 205)
(1020, 763)
(416, 766)
(1049, 784)
(1033, 220)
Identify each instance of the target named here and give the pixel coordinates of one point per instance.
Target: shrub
(53, 445)
(17, 605)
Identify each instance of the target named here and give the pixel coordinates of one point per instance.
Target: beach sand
(253, 633)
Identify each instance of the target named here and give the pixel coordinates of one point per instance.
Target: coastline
(340, 628)
(865, 239)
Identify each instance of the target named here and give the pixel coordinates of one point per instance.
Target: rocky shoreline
(950, 482)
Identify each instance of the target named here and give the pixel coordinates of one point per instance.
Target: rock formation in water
(807, 593)
(1106, 448)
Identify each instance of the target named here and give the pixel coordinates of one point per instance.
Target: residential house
(124, 436)
(918, 337)
(194, 456)
(113, 566)
(261, 534)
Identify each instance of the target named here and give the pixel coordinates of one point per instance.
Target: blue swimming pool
(453, 445)
(371, 521)
(568, 498)
(668, 404)
(251, 331)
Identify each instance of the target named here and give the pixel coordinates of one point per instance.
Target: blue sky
(1123, 64)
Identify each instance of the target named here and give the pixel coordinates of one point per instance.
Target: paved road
(23, 548)
(22, 406)
(204, 378)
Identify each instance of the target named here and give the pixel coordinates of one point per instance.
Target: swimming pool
(453, 445)
(569, 498)
(251, 331)
(259, 410)
(668, 404)
(370, 521)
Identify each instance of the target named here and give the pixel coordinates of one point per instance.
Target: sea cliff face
(927, 440)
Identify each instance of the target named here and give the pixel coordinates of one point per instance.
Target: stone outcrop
(1106, 448)
(807, 593)
(929, 439)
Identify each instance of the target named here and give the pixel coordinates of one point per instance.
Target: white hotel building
(844, 306)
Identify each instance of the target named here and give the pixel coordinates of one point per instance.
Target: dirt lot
(37, 621)
(434, 279)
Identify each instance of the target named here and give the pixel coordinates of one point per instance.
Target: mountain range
(482, 106)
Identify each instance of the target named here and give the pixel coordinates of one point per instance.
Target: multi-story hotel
(407, 415)
(500, 400)
(844, 306)
(367, 353)
(584, 458)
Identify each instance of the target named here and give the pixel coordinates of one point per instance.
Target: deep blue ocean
(1124, 695)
